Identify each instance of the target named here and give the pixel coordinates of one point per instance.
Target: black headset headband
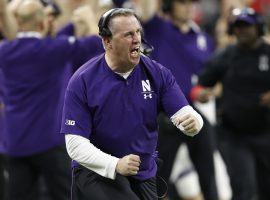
(103, 23)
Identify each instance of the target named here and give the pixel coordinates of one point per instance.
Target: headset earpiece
(103, 23)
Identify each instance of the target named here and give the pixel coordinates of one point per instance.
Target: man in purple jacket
(35, 69)
(110, 115)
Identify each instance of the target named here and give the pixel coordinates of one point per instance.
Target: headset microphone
(146, 48)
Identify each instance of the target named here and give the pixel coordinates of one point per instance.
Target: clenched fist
(128, 165)
(189, 124)
(188, 121)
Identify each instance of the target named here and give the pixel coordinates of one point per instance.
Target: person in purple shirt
(2, 143)
(183, 48)
(83, 23)
(86, 53)
(110, 115)
(35, 70)
(2, 107)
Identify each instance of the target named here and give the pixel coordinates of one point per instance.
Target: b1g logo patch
(70, 122)
(146, 87)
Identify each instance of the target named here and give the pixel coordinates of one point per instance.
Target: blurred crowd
(189, 34)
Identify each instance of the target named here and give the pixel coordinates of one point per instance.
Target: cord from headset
(166, 186)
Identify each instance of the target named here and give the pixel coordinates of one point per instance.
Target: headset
(104, 21)
(104, 30)
(237, 14)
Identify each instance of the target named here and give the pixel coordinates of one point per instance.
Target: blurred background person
(36, 70)
(221, 29)
(83, 24)
(183, 47)
(3, 177)
(267, 28)
(52, 12)
(33, 145)
(243, 112)
(8, 19)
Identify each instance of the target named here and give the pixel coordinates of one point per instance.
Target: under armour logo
(145, 96)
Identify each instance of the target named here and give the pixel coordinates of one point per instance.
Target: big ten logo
(70, 122)
(146, 87)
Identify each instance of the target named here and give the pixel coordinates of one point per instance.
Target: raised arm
(84, 21)
(145, 9)
(8, 24)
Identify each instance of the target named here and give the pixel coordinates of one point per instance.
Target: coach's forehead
(120, 23)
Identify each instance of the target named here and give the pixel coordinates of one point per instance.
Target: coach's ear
(107, 43)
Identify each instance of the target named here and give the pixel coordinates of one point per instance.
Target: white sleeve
(184, 111)
(85, 153)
